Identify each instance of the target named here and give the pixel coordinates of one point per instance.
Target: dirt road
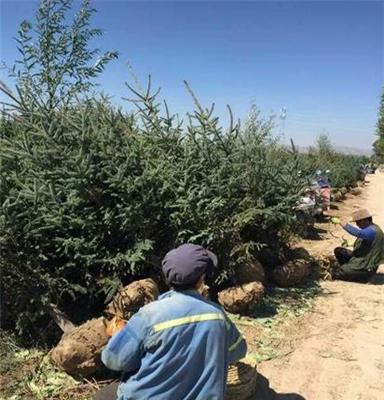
(340, 355)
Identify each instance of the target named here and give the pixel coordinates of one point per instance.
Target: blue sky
(321, 60)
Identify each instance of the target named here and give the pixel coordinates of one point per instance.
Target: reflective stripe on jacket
(176, 348)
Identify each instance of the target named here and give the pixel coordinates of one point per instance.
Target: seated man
(368, 251)
(178, 347)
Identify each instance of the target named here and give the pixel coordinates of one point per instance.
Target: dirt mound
(241, 299)
(292, 273)
(132, 297)
(241, 381)
(250, 272)
(79, 351)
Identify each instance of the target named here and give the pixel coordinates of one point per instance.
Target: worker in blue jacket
(178, 347)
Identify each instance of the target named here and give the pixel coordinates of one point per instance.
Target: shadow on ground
(265, 392)
(377, 279)
(313, 233)
(295, 299)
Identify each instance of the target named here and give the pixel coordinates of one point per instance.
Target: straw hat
(360, 214)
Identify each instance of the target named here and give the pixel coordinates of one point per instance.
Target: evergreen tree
(45, 160)
(324, 145)
(57, 63)
(378, 145)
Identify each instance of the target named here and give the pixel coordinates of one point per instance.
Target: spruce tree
(44, 162)
(378, 145)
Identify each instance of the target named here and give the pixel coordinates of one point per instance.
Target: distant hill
(342, 149)
(353, 150)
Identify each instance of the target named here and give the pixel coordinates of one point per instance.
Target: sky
(322, 61)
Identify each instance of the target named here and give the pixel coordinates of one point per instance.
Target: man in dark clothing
(361, 263)
(178, 347)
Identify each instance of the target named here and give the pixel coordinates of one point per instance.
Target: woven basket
(241, 381)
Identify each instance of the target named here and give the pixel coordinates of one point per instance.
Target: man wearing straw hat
(178, 347)
(361, 263)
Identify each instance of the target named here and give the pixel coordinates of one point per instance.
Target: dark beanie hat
(187, 263)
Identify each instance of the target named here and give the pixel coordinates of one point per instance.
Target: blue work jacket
(176, 348)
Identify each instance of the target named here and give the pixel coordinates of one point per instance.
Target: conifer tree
(44, 155)
(378, 145)
(57, 63)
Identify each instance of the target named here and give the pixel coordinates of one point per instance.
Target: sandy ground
(340, 352)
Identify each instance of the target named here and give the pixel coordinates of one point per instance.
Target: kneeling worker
(178, 347)
(368, 251)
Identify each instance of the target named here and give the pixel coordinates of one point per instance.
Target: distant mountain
(342, 149)
(353, 150)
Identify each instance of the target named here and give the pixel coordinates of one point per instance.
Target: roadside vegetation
(378, 145)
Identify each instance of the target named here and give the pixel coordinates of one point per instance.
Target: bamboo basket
(241, 381)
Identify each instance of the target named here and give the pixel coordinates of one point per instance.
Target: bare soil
(338, 348)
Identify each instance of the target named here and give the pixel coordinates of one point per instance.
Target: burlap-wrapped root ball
(242, 380)
(241, 299)
(356, 191)
(291, 273)
(327, 263)
(250, 272)
(79, 351)
(132, 297)
(337, 196)
(205, 291)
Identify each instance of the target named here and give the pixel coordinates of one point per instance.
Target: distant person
(178, 347)
(325, 189)
(361, 263)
